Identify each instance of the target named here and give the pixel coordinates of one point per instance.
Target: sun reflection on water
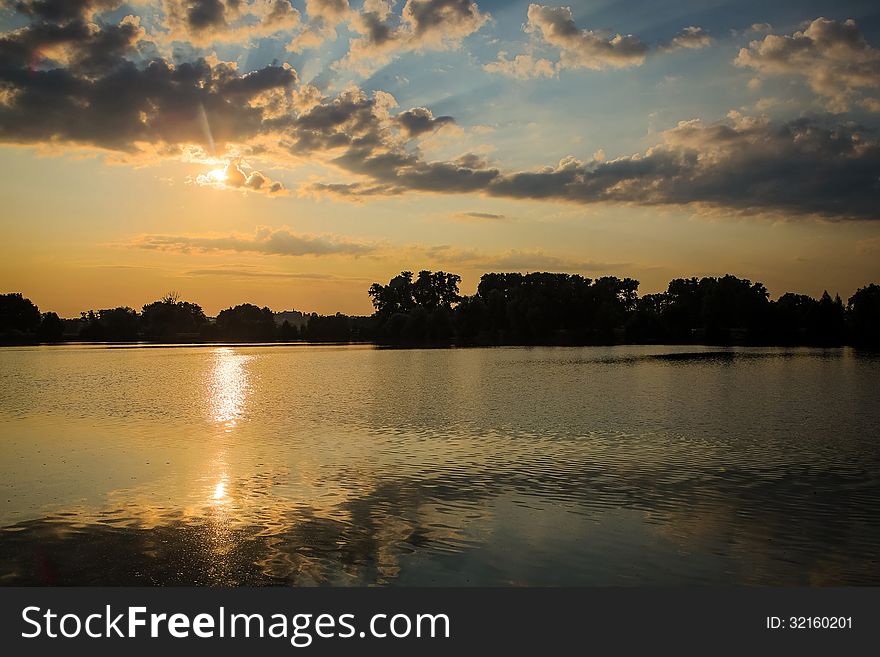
(220, 496)
(229, 387)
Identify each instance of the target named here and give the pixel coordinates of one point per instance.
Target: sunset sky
(290, 152)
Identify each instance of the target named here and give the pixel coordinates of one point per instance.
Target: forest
(507, 309)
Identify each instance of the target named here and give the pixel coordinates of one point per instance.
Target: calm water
(353, 465)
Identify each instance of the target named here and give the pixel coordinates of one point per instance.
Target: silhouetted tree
(615, 300)
(794, 319)
(646, 323)
(830, 324)
(396, 297)
(110, 325)
(420, 311)
(437, 289)
(507, 308)
(51, 328)
(328, 328)
(683, 310)
(287, 332)
(170, 316)
(471, 320)
(716, 310)
(547, 308)
(246, 322)
(863, 310)
(19, 318)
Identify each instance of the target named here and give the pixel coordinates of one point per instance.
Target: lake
(355, 465)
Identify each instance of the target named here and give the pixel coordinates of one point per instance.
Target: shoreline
(723, 348)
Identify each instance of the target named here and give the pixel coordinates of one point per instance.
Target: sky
(291, 152)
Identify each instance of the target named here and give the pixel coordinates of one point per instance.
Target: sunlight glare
(229, 387)
(220, 495)
(217, 175)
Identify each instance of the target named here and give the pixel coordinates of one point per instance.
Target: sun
(217, 175)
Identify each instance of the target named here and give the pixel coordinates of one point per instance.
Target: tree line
(507, 309)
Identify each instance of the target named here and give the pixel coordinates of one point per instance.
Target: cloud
(354, 192)
(479, 216)
(282, 241)
(511, 260)
(516, 260)
(422, 25)
(690, 38)
(744, 164)
(245, 272)
(324, 16)
(62, 11)
(741, 165)
(266, 241)
(331, 11)
(584, 48)
(75, 43)
(870, 104)
(203, 22)
(420, 120)
(239, 273)
(522, 67)
(439, 22)
(236, 175)
(88, 89)
(870, 246)
(831, 56)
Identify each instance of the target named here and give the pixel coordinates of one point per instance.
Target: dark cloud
(750, 165)
(373, 26)
(205, 14)
(442, 17)
(61, 11)
(831, 56)
(803, 167)
(128, 106)
(584, 48)
(422, 25)
(324, 16)
(90, 92)
(72, 41)
(401, 170)
(420, 120)
(204, 22)
(354, 191)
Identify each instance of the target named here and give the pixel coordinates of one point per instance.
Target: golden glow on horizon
(72, 266)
